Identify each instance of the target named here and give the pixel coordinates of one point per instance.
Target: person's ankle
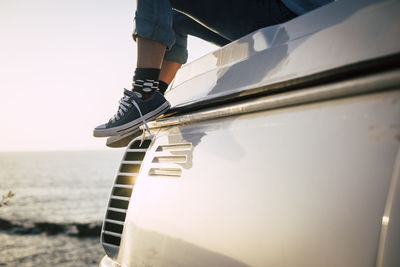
(162, 86)
(145, 82)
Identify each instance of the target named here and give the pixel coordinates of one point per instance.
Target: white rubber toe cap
(99, 131)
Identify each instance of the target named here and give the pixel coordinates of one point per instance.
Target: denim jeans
(216, 21)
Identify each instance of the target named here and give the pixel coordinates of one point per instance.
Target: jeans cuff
(177, 54)
(157, 32)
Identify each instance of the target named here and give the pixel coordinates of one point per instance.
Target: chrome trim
(167, 172)
(174, 147)
(123, 186)
(128, 173)
(116, 209)
(110, 245)
(390, 206)
(112, 233)
(120, 198)
(114, 221)
(108, 262)
(136, 149)
(372, 83)
(169, 159)
(131, 162)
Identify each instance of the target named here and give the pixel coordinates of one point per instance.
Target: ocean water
(55, 217)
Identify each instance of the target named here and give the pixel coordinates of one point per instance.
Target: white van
(281, 149)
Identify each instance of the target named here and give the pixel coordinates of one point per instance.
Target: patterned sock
(162, 86)
(145, 82)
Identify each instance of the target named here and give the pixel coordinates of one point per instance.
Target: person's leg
(231, 19)
(168, 70)
(153, 34)
(235, 18)
(177, 56)
(150, 53)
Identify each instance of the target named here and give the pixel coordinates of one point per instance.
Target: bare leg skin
(168, 70)
(150, 53)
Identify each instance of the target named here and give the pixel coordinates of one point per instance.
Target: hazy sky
(63, 66)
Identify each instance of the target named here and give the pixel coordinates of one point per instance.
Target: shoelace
(141, 116)
(144, 123)
(123, 107)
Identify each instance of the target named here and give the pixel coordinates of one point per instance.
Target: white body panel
(301, 186)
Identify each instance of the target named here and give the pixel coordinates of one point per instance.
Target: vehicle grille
(120, 196)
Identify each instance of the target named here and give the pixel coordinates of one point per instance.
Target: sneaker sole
(123, 139)
(129, 127)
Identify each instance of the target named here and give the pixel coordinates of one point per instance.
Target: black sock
(145, 82)
(162, 86)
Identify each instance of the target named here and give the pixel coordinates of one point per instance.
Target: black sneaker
(132, 112)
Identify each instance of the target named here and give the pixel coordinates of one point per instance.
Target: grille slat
(112, 234)
(127, 173)
(136, 150)
(117, 209)
(131, 162)
(113, 221)
(123, 186)
(120, 198)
